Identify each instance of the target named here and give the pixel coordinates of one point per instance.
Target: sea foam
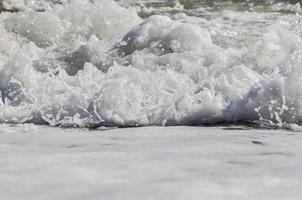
(92, 63)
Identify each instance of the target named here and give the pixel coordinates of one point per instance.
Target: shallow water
(137, 63)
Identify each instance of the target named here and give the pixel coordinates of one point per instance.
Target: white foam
(84, 63)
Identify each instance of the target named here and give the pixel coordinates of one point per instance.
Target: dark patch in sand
(258, 143)
(73, 146)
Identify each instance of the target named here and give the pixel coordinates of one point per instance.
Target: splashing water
(136, 63)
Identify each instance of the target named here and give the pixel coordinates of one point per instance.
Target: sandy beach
(149, 163)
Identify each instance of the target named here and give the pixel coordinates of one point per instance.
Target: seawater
(137, 63)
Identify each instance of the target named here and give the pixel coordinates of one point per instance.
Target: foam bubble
(95, 63)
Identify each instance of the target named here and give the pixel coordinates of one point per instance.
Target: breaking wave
(93, 63)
